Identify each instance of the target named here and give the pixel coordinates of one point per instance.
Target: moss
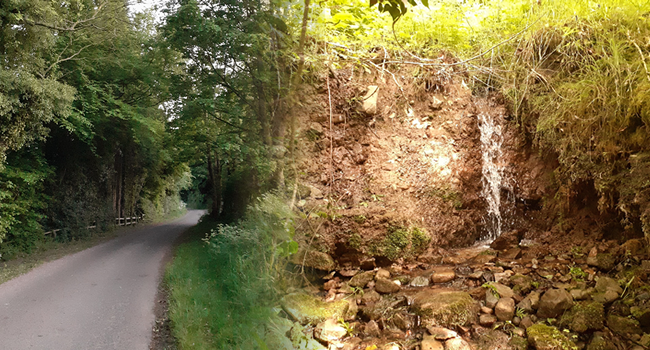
(355, 241)
(518, 343)
(359, 219)
(544, 337)
(584, 316)
(306, 308)
(401, 242)
(315, 259)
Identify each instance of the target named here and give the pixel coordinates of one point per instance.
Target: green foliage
(223, 289)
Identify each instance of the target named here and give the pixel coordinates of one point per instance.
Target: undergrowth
(223, 288)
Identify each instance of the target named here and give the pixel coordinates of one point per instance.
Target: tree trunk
(214, 175)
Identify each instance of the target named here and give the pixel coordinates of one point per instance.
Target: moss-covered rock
(584, 316)
(306, 308)
(599, 342)
(445, 308)
(521, 284)
(314, 259)
(623, 325)
(518, 343)
(543, 337)
(361, 279)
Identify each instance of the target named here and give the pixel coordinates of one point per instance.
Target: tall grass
(224, 286)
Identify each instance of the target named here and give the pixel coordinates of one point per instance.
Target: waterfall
(494, 178)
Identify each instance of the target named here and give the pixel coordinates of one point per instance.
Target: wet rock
(382, 273)
(419, 281)
(430, 343)
(487, 320)
(370, 297)
(329, 330)
(457, 344)
(505, 309)
(372, 329)
(584, 316)
(443, 276)
(361, 280)
(623, 325)
(445, 308)
(441, 333)
(370, 100)
(553, 303)
(386, 286)
(314, 259)
(599, 342)
(530, 302)
(306, 308)
(507, 240)
(543, 337)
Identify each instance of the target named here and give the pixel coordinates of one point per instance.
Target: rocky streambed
(512, 295)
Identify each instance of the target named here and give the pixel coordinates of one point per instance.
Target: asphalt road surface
(99, 298)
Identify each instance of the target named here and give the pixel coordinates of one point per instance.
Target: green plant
(521, 313)
(491, 288)
(577, 273)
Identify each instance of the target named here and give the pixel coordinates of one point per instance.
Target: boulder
(522, 284)
(604, 262)
(505, 309)
(584, 316)
(543, 337)
(607, 290)
(386, 286)
(329, 330)
(314, 259)
(634, 246)
(507, 240)
(361, 280)
(306, 308)
(445, 308)
(553, 303)
(429, 342)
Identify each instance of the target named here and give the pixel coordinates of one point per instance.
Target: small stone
(348, 273)
(605, 298)
(361, 280)
(370, 297)
(331, 284)
(441, 333)
(513, 253)
(553, 303)
(526, 322)
(382, 273)
(491, 299)
(475, 275)
(329, 331)
(530, 302)
(445, 308)
(505, 309)
(386, 286)
(443, 276)
(487, 320)
(516, 321)
(580, 294)
(419, 281)
(457, 344)
(503, 290)
(486, 310)
(430, 343)
(372, 329)
(606, 283)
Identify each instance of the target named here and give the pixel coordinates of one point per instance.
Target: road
(99, 298)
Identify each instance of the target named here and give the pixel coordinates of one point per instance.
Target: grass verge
(222, 288)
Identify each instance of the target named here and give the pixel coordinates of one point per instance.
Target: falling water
(494, 178)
